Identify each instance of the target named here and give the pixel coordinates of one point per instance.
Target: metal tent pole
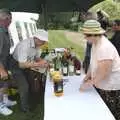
(44, 11)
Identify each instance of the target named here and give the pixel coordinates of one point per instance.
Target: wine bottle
(71, 67)
(44, 53)
(77, 65)
(67, 53)
(57, 63)
(51, 67)
(64, 66)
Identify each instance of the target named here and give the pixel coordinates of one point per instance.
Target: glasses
(92, 35)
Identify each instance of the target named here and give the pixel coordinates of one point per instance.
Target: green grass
(57, 38)
(17, 115)
(37, 114)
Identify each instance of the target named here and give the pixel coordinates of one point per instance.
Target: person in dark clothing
(5, 20)
(86, 62)
(8, 63)
(102, 19)
(116, 37)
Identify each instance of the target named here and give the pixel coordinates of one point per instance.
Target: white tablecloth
(75, 105)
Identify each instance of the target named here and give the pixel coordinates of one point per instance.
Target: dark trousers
(19, 76)
(31, 84)
(112, 100)
(36, 83)
(86, 63)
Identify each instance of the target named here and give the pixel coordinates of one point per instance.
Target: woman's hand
(86, 84)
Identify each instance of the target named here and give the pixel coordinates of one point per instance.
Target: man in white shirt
(27, 50)
(26, 53)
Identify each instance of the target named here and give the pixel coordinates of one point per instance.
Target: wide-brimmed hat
(42, 35)
(92, 27)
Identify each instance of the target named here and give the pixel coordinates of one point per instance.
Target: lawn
(37, 114)
(57, 38)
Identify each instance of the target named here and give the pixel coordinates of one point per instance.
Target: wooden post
(44, 12)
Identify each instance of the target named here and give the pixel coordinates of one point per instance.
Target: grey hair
(4, 13)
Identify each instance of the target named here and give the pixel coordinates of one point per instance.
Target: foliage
(109, 6)
(56, 20)
(40, 22)
(63, 20)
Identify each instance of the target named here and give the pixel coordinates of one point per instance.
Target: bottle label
(78, 72)
(71, 68)
(51, 69)
(60, 70)
(58, 87)
(65, 70)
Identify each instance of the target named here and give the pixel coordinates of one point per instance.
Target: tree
(109, 6)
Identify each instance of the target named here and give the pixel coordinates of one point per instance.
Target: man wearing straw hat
(104, 71)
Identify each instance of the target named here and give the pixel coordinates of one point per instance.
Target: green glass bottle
(71, 67)
(77, 65)
(57, 63)
(64, 66)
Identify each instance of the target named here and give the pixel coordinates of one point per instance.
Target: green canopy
(45, 6)
(37, 6)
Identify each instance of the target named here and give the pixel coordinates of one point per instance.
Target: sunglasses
(92, 35)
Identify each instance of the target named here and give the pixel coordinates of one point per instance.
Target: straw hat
(41, 35)
(92, 27)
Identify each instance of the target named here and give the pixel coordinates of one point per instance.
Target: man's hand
(41, 63)
(3, 74)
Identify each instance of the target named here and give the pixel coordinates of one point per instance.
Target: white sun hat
(41, 35)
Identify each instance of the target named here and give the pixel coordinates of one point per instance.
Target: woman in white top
(104, 71)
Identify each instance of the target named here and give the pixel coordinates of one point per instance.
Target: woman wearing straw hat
(104, 71)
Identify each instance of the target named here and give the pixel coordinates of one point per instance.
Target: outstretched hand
(86, 84)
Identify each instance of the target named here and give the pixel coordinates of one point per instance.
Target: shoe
(9, 103)
(4, 110)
